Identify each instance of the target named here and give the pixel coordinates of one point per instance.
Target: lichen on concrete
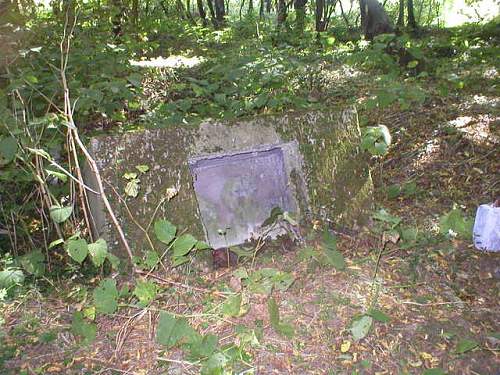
(328, 174)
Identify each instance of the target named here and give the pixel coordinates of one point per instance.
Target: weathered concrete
(327, 175)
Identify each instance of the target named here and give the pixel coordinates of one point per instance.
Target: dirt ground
(436, 294)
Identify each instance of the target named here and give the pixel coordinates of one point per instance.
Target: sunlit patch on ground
(173, 62)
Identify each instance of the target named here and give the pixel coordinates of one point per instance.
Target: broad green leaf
(106, 297)
(98, 252)
(379, 315)
(232, 305)
(10, 277)
(61, 176)
(8, 149)
(33, 263)
(77, 249)
(335, 258)
(393, 191)
(183, 245)
(114, 260)
(145, 291)
(172, 330)
(456, 222)
(384, 216)
(215, 364)
(152, 258)
(130, 176)
(165, 231)
(132, 188)
(203, 347)
(177, 261)
(465, 345)
(55, 243)
(200, 245)
(60, 214)
(142, 168)
(80, 327)
(284, 329)
(361, 326)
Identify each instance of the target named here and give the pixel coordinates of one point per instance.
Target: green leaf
(98, 252)
(33, 263)
(142, 168)
(276, 212)
(132, 188)
(384, 216)
(60, 214)
(456, 222)
(465, 345)
(177, 261)
(215, 364)
(412, 64)
(10, 277)
(232, 306)
(172, 330)
(152, 258)
(335, 258)
(61, 176)
(106, 296)
(165, 231)
(379, 315)
(284, 329)
(114, 260)
(393, 191)
(200, 245)
(183, 245)
(434, 371)
(361, 326)
(145, 291)
(203, 347)
(130, 176)
(77, 249)
(8, 149)
(80, 327)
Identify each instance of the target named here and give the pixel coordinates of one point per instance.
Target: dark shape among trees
(374, 19)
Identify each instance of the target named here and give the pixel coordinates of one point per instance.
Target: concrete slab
(311, 164)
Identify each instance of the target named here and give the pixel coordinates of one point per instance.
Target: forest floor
(439, 298)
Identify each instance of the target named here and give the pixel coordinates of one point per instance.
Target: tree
(412, 23)
(401, 14)
(281, 12)
(220, 12)
(300, 14)
(201, 10)
(374, 19)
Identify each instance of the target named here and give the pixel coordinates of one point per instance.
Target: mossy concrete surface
(328, 175)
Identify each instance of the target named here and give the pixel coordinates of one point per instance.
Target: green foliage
(165, 231)
(172, 331)
(264, 280)
(106, 297)
(285, 329)
(360, 327)
(79, 327)
(332, 256)
(98, 252)
(455, 223)
(145, 291)
(465, 345)
(376, 140)
(232, 306)
(33, 263)
(60, 214)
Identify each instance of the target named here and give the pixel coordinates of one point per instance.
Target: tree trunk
(268, 6)
(250, 6)
(320, 16)
(201, 10)
(135, 12)
(401, 16)
(281, 12)
(220, 12)
(261, 9)
(374, 19)
(212, 12)
(300, 14)
(411, 15)
(346, 20)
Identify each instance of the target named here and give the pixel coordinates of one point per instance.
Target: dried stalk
(68, 111)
